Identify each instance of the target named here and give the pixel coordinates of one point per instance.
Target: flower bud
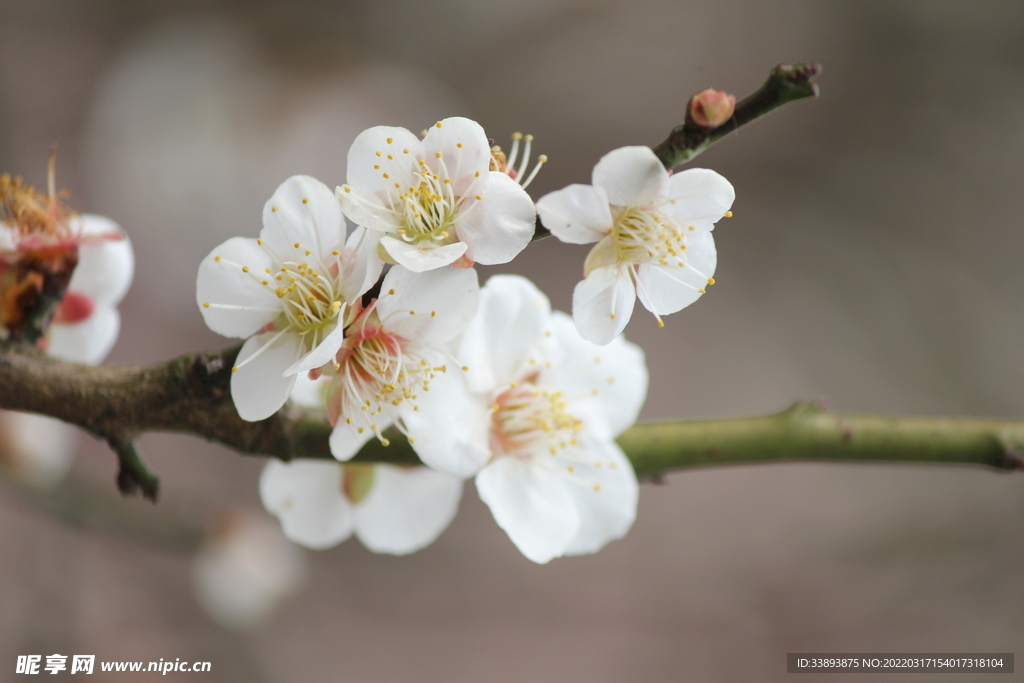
(709, 108)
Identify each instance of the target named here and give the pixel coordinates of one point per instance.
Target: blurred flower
(391, 509)
(86, 323)
(653, 235)
(538, 410)
(61, 278)
(291, 292)
(393, 350)
(244, 570)
(436, 201)
(37, 450)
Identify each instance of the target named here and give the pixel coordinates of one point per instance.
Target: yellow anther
(305, 200)
(391, 292)
(459, 145)
(702, 290)
(386, 176)
(479, 197)
(264, 282)
(206, 304)
(217, 259)
(438, 124)
(465, 368)
(542, 159)
(412, 439)
(570, 468)
(728, 214)
(347, 188)
(297, 245)
(376, 167)
(245, 269)
(433, 313)
(477, 174)
(437, 155)
(380, 154)
(308, 252)
(259, 240)
(661, 323)
(691, 227)
(273, 208)
(612, 316)
(711, 280)
(360, 430)
(385, 442)
(234, 369)
(390, 140)
(412, 312)
(335, 253)
(405, 151)
(597, 487)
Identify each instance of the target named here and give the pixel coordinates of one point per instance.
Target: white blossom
(393, 351)
(436, 202)
(536, 416)
(244, 570)
(291, 292)
(87, 322)
(653, 234)
(391, 509)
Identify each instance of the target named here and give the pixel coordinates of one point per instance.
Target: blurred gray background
(874, 261)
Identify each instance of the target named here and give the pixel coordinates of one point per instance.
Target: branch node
(134, 475)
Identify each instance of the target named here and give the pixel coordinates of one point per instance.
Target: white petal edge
(532, 505)
(105, 265)
(259, 388)
(306, 496)
(608, 383)
(608, 511)
(345, 440)
(362, 156)
(247, 305)
(667, 289)
(428, 308)
(324, 352)
(500, 225)
(631, 176)
(302, 211)
(461, 163)
(88, 341)
(577, 214)
(602, 304)
(497, 343)
(450, 427)
(699, 197)
(422, 256)
(407, 509)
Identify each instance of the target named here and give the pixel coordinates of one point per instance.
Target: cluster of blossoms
(483, 382)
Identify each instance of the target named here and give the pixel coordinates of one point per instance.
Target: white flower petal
(631, 176)
(309, 393)
(259, 388)
(306, 496)
(608, 383)
(105, 266)
(606, 496)
(602, 304)
(532, 504)
(239, 305)
(361, 262)
(423, 256)
(667, 289)
(366, 209)
(88, 341)
(700, 197)
(346, 440)
(324, 351)
(577, 214)
(497, 342)
(450, 427)
(407, 509)
(363, 157)
(431, 307)
(500, 225)
(464, 151)
(303, 211)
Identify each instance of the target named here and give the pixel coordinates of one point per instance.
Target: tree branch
(191, 395)
(786, 83)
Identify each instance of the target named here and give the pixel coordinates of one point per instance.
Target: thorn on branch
(134, 475)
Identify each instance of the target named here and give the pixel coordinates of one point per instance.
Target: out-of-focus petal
(88, 341)
(577, 214)
(407, 509)
(306, 496)
(602, 304)
(259, 388)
